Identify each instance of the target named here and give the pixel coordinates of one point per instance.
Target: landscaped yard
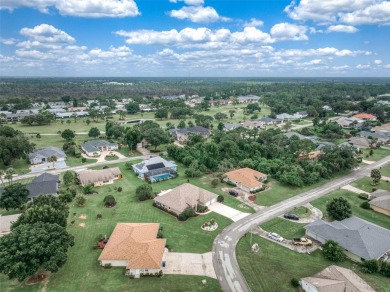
(355, 202)
(365, 185)
(377, 155)
(285, 228)
(273, 267)
(181, 237)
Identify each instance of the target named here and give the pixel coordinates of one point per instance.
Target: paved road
(224, 246)
(79, 167)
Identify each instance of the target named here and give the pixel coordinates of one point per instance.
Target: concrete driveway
(177, 263)
(48, 166)
(227, 211)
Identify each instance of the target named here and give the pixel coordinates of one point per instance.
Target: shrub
(339, 208)
(83, 160)
(189, 212)
(80, 200)
(66, 197)
(99, 216)
(332, 251)
(370, 266)
(220, 198)
(201, 208)
(231, 183)
(182, 217)
(119, 189)
(109, 201)
(144, 192)
(88, 189)
(363, 196)
(365, 205)
(385, 269)
(107, 266)
(214, 182)
(105, 167)
(294, 282)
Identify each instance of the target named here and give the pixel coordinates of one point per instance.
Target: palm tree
(53, 159)
(9, 174)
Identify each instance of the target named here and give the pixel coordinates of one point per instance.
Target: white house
(96, 147)
(42, 155)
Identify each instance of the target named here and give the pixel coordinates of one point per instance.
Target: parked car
(233, 193)
(302, 241)
(275, 236)
(291, 216)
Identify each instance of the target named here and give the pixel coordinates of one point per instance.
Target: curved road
(224, 246)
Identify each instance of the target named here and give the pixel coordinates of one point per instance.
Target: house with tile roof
(335, 279)
(42, 155)
(155, 169)
(136, 247)
(360, 239)
(100, 177)
(183, 196)
(366, 117)
(247, 179)
(94, 148)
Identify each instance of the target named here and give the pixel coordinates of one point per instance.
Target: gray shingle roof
(92, 146)
(47, 152)
(144, 166)
(194, 130)
(382, 202)
(360, 237)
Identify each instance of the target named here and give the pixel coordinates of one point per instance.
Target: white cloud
(254, 22)
(352, 12)
(288, 31)
(47, 33)
(378, 13)
(363, 66)
(378, 62)
(8, 42)
(189, 2)
(84, 8)
(198, 14)
(342, 28)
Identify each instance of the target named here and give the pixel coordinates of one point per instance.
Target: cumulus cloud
(85, 8)
(47, 33)
(352, 12)
(254, 22)
(378, 62)
(342, 28)
(288, 31)
(10, 41)
(189, 2)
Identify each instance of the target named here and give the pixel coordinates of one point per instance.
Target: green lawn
(21, 166)
(365, 185)
(385, 171)
(355, 202)
(377, 155)
(82, 259)
(280, 192)
(302, 212)
(273, 267)
(285, 228)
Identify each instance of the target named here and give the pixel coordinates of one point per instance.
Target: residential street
(224, 246)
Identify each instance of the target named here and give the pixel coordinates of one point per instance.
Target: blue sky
(190, 38)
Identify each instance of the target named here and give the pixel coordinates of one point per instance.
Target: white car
(275, 236)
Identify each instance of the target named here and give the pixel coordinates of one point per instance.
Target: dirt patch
(252, 198)
(83, 217)
(82, 224)
(38, 279)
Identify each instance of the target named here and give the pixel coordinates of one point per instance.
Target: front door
(137, 273)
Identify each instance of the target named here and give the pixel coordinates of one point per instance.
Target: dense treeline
(268, 151)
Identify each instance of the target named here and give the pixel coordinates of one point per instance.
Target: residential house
(56, 104)
(247, 179)
(183, 196)
(327, 108)
(380, 201)
(360, 239)
(359, 142)
(253, 125)
(383, 137)
(6, 222)
(155, 169)
(383, 102)
(323, 145)
(350, 123)
(365, 117)
(136, 247)
(100, 177)
(268, 121)
(248, 99)
(182, 135)
(335, 279)
(94, 148)
(229, 127)
(44, 184)
(69, 114)
(289, 135)
(383, 127)
(221, 102)
(285, 117)
(42, 155)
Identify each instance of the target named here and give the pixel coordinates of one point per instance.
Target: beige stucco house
(247, 179)
(136, 247)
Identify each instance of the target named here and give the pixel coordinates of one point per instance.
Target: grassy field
(377, 155)
(365, 185)
(181, 237)
(273, 267)
(355, 202)
(285, 228)
(302, 212)
(280, 192)
(385, 171)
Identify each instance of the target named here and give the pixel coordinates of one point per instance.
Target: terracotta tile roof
(364, 116)
(185, 195)
(137, 243)
(94, 176)
(246, 176)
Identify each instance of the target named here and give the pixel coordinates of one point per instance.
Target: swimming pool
(159, 177)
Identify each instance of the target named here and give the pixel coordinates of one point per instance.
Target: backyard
(273, 267)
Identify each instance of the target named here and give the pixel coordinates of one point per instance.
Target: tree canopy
(14, 196)
(339, 208)
(13, 145)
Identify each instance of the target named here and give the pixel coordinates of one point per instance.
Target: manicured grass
(110, 158)
(124, 150)
(302, 212)
(280, 192)
(82, 259)
(21, 166)
(285, 228)
(355, 202)
(273, 267)
(385, 171)
(365, 185)
(73, 161)
(377, 155)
